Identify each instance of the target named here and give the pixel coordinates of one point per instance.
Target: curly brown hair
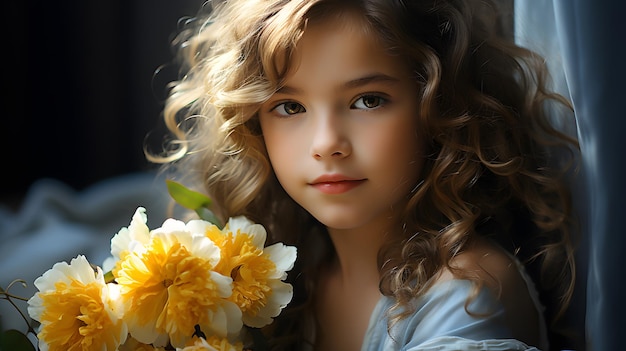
(497, 166)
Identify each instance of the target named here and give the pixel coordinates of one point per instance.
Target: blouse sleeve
(441, 322)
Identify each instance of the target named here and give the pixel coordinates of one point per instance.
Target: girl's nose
(330, 137)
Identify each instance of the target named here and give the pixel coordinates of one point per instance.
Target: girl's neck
(357, 251)
(348, 288)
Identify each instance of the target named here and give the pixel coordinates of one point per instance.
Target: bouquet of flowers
(193, 285)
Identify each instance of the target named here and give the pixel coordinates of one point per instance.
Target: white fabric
(441, 322)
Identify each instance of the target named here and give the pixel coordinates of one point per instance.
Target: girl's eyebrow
(354, 83)
(373, 78)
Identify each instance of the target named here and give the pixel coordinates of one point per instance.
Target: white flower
(133, 237)
(257, 271)
(169, 286)
(76, 309)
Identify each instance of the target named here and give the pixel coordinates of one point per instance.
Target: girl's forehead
(346, 25)
(347, 17)
(283, 44)
(334, 24)
(334, 52)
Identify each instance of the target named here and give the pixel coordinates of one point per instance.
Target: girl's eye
(366, 102)
(289, 108)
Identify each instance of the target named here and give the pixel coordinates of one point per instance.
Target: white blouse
(441, 322)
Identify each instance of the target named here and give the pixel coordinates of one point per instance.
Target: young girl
(404, 147)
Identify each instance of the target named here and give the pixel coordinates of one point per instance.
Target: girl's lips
(337, 187)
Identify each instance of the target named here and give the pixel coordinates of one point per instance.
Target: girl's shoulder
(498, 309)
(505, 277)
(490, 265)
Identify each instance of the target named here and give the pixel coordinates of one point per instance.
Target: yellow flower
(132, 344)
(168, 287)
(135, 235)
(213, 343)
(76, 309)
(257, 272)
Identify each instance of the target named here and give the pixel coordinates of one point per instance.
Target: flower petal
(283, 256)
(281, 295)
(129, 238)
(242, 224)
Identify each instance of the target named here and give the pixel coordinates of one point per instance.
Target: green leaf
(192, 200)
(208, 215)
(187, 198)
(15, 341)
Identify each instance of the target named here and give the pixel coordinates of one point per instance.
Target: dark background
(81, 91)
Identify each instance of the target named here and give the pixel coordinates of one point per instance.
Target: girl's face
(342, 134)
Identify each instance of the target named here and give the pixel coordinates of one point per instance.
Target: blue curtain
(584, 42)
